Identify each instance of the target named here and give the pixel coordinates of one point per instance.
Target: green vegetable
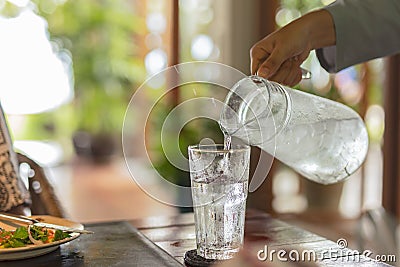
(59, 235)
(14, 243)
(21, 233)
(37, 232)
(20, 237)
(17, 239)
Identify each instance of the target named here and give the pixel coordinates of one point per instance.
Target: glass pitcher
(321, 139)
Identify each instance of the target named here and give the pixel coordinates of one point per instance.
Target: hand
(278, 56)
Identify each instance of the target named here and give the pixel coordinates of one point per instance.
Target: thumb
(271, 65)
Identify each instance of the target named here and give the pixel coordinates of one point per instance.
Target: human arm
(365, 29)
(362, 30)
(278, 56)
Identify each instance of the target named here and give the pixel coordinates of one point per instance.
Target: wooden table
(163, 241)
(176, 235)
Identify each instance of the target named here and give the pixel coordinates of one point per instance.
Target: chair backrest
(43, 197)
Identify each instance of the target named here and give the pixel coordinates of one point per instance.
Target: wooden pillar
(365, 83)
(266, 17)
(391, 148)
(264, 22)
(174, 51)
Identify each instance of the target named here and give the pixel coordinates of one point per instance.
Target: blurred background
(69, 68)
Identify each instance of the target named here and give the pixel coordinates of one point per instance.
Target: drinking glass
(219, 180)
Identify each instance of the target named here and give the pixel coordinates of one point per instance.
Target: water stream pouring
(321, 139)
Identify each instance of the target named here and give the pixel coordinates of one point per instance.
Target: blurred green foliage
(302, 6)
(100, 34)
(192, 131)
(101, 37)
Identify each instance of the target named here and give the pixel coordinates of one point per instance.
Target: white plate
(36, 250)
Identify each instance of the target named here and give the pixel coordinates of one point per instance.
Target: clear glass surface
(219, 180)
(323, 140)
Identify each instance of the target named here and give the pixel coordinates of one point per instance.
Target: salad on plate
(30, 235)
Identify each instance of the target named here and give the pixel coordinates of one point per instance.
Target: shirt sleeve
(365, 29)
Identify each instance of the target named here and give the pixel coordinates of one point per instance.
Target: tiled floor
(91, 192)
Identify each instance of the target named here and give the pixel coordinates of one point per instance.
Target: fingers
(265, 56)
(272, 64)
(257, 56)
(294, 74)
(283, 73)
(272, 58)
(288, 74)
(294, 78)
